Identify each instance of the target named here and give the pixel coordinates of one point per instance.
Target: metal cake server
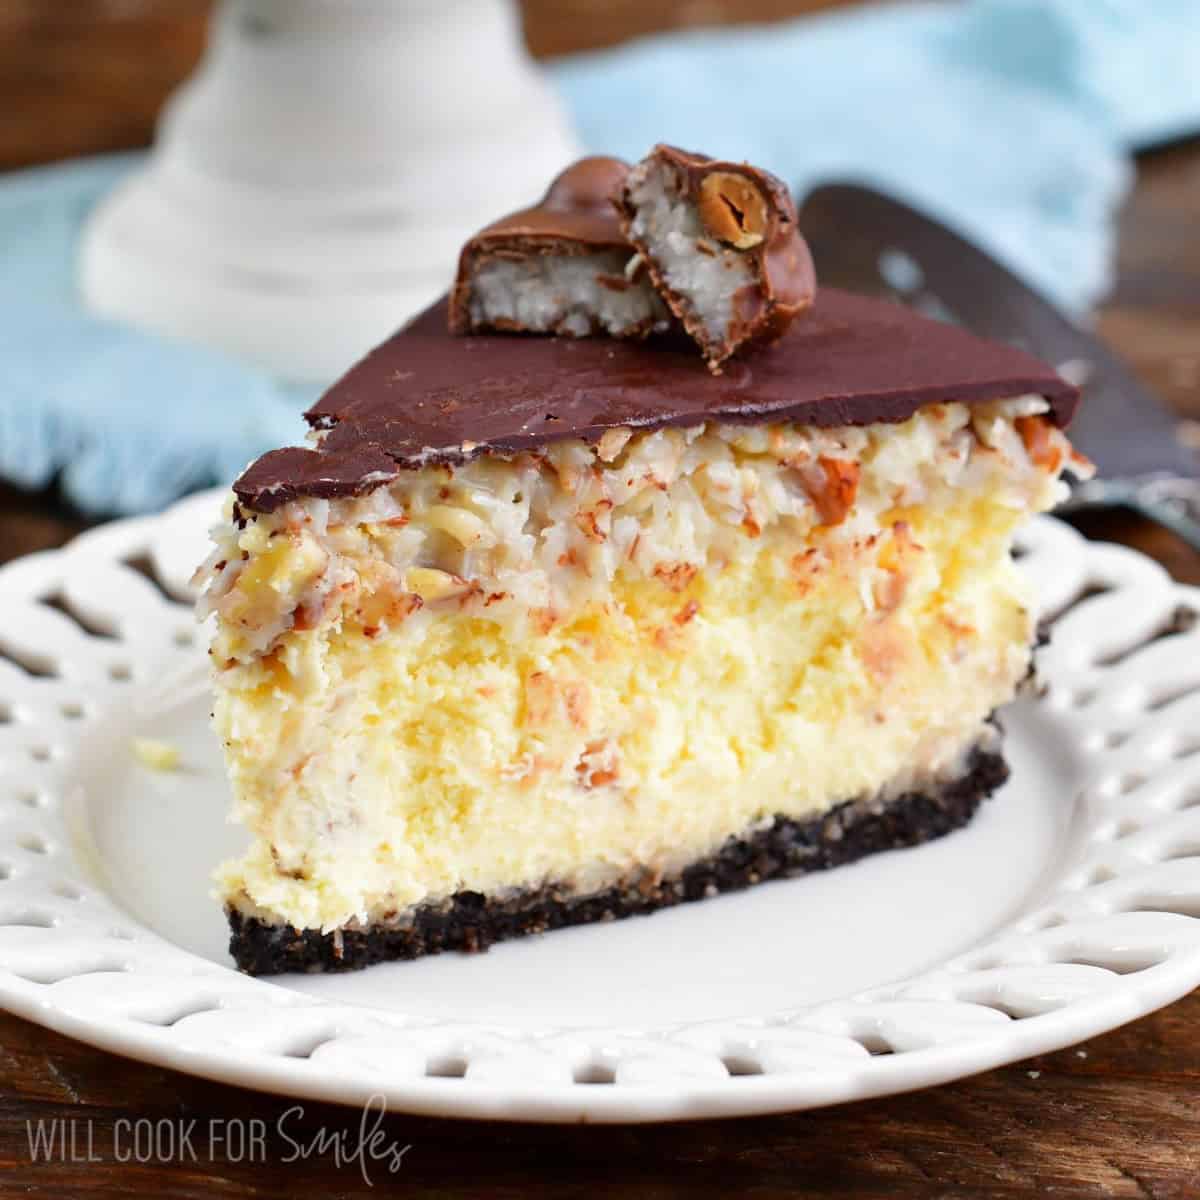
(868, 242)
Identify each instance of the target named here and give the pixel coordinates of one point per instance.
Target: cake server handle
(1171, 500)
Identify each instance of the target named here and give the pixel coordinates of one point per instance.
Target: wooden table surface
(1119, 1116)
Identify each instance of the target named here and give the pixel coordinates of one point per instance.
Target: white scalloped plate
(1070, 905)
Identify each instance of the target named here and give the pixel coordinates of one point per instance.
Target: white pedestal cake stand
(311, 185)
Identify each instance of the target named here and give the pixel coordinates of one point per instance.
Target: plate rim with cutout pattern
(1113, 934)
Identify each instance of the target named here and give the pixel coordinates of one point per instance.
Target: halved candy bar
(562, 267)
(722, 245)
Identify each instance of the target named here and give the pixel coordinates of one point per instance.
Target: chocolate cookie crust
(472, 922)
(426, 396)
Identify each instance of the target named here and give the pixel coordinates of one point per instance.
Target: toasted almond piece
(1037, 433)
(612, 442)
(431, 584)
(464, 526)
(733, 209)
(832, 486)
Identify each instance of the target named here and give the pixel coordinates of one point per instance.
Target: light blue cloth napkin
(1009, 119)
(127, 421)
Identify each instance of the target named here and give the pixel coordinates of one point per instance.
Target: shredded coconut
(577, 295)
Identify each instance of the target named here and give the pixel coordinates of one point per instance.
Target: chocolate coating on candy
(574, 219)
(748, 213)
(425, 396)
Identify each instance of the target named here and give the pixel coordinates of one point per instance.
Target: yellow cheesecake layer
(637, 734)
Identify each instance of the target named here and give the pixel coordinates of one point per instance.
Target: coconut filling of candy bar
(569, 665)
(574, 295)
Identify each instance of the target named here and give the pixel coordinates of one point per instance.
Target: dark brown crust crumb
(471, 922)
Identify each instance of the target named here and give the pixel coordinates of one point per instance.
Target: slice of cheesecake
(546, 631)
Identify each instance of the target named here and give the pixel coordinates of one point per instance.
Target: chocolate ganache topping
(426, 396)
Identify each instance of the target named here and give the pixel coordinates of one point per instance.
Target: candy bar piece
(562, 267)
(722, 245)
